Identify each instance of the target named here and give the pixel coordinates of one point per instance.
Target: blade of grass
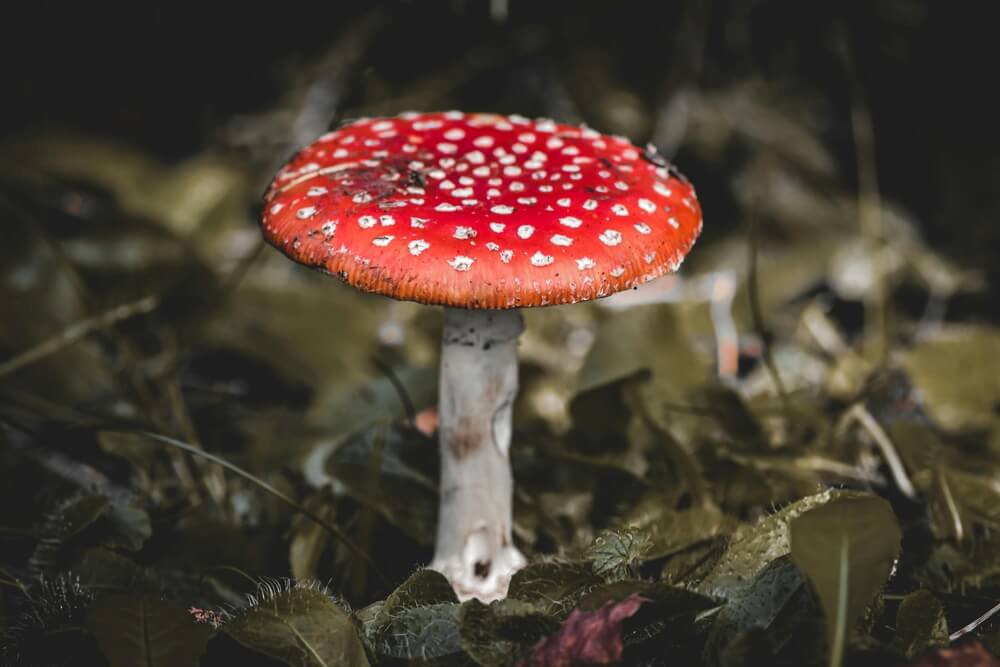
(253, 479)
(840, 629)
(77, 331)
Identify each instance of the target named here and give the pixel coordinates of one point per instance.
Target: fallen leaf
(586, 637)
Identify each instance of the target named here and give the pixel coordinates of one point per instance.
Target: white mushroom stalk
(478, 385)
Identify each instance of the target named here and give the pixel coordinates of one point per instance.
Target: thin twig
(399, 387)
(757, 314)
(77, 331)
(961, 632)
(869, 204)
(860, 413)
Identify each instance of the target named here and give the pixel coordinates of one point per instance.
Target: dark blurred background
(845, 156)
(171, 78)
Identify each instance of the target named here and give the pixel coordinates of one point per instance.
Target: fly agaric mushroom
(482, 214)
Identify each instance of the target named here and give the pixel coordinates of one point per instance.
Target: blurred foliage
(838, 497)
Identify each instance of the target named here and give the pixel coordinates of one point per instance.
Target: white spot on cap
(619, 209)
(661, 189)
(447, 208)
(672, 221)
(590, 205)
(418, 223)
(647, 206)
(316, 191)
(305, 212)
(540, 259)
(361, 198)
(418, 246)
(367, 221)
(649, 257)
(276, 208)
(462, 192)
(621, 185)
(455, 134)
(570, 221)
(491, 246)
(463, 233)
(387, 220)
(447, 149)
(383, 241)
(584, 263)
(525, 231)
(617, 272)
(559, 239)
(506, 256)
(329, 227)
(565, 201)
(642, 228)
(527, 201)
(497, 226)
(461, 263)
(500, 209)
(485, 141)
(610, 237)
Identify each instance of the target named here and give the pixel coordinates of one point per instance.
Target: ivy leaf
(556, 586)
(146, 632)
(302, 627)
(616, 554)
(846, 548)
(416, 621)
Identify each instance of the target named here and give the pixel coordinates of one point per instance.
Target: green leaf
(556, 586)
(920, 624)
(847, 548)
(146, 632)
(752, 548)
(61, 527)
(616, 554)
(958, 375)
(309, 539)
(302, 627)
(417, 620)
(778, 591)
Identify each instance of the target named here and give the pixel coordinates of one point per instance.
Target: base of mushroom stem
(462, 570)
(478, 384)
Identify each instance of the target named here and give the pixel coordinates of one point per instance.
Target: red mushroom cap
(481, 210)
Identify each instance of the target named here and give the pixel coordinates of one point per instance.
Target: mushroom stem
(477, 389)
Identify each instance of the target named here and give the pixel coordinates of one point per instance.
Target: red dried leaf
(967, 654)
(586, 637)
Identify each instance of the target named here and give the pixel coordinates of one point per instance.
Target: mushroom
(482, 214)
